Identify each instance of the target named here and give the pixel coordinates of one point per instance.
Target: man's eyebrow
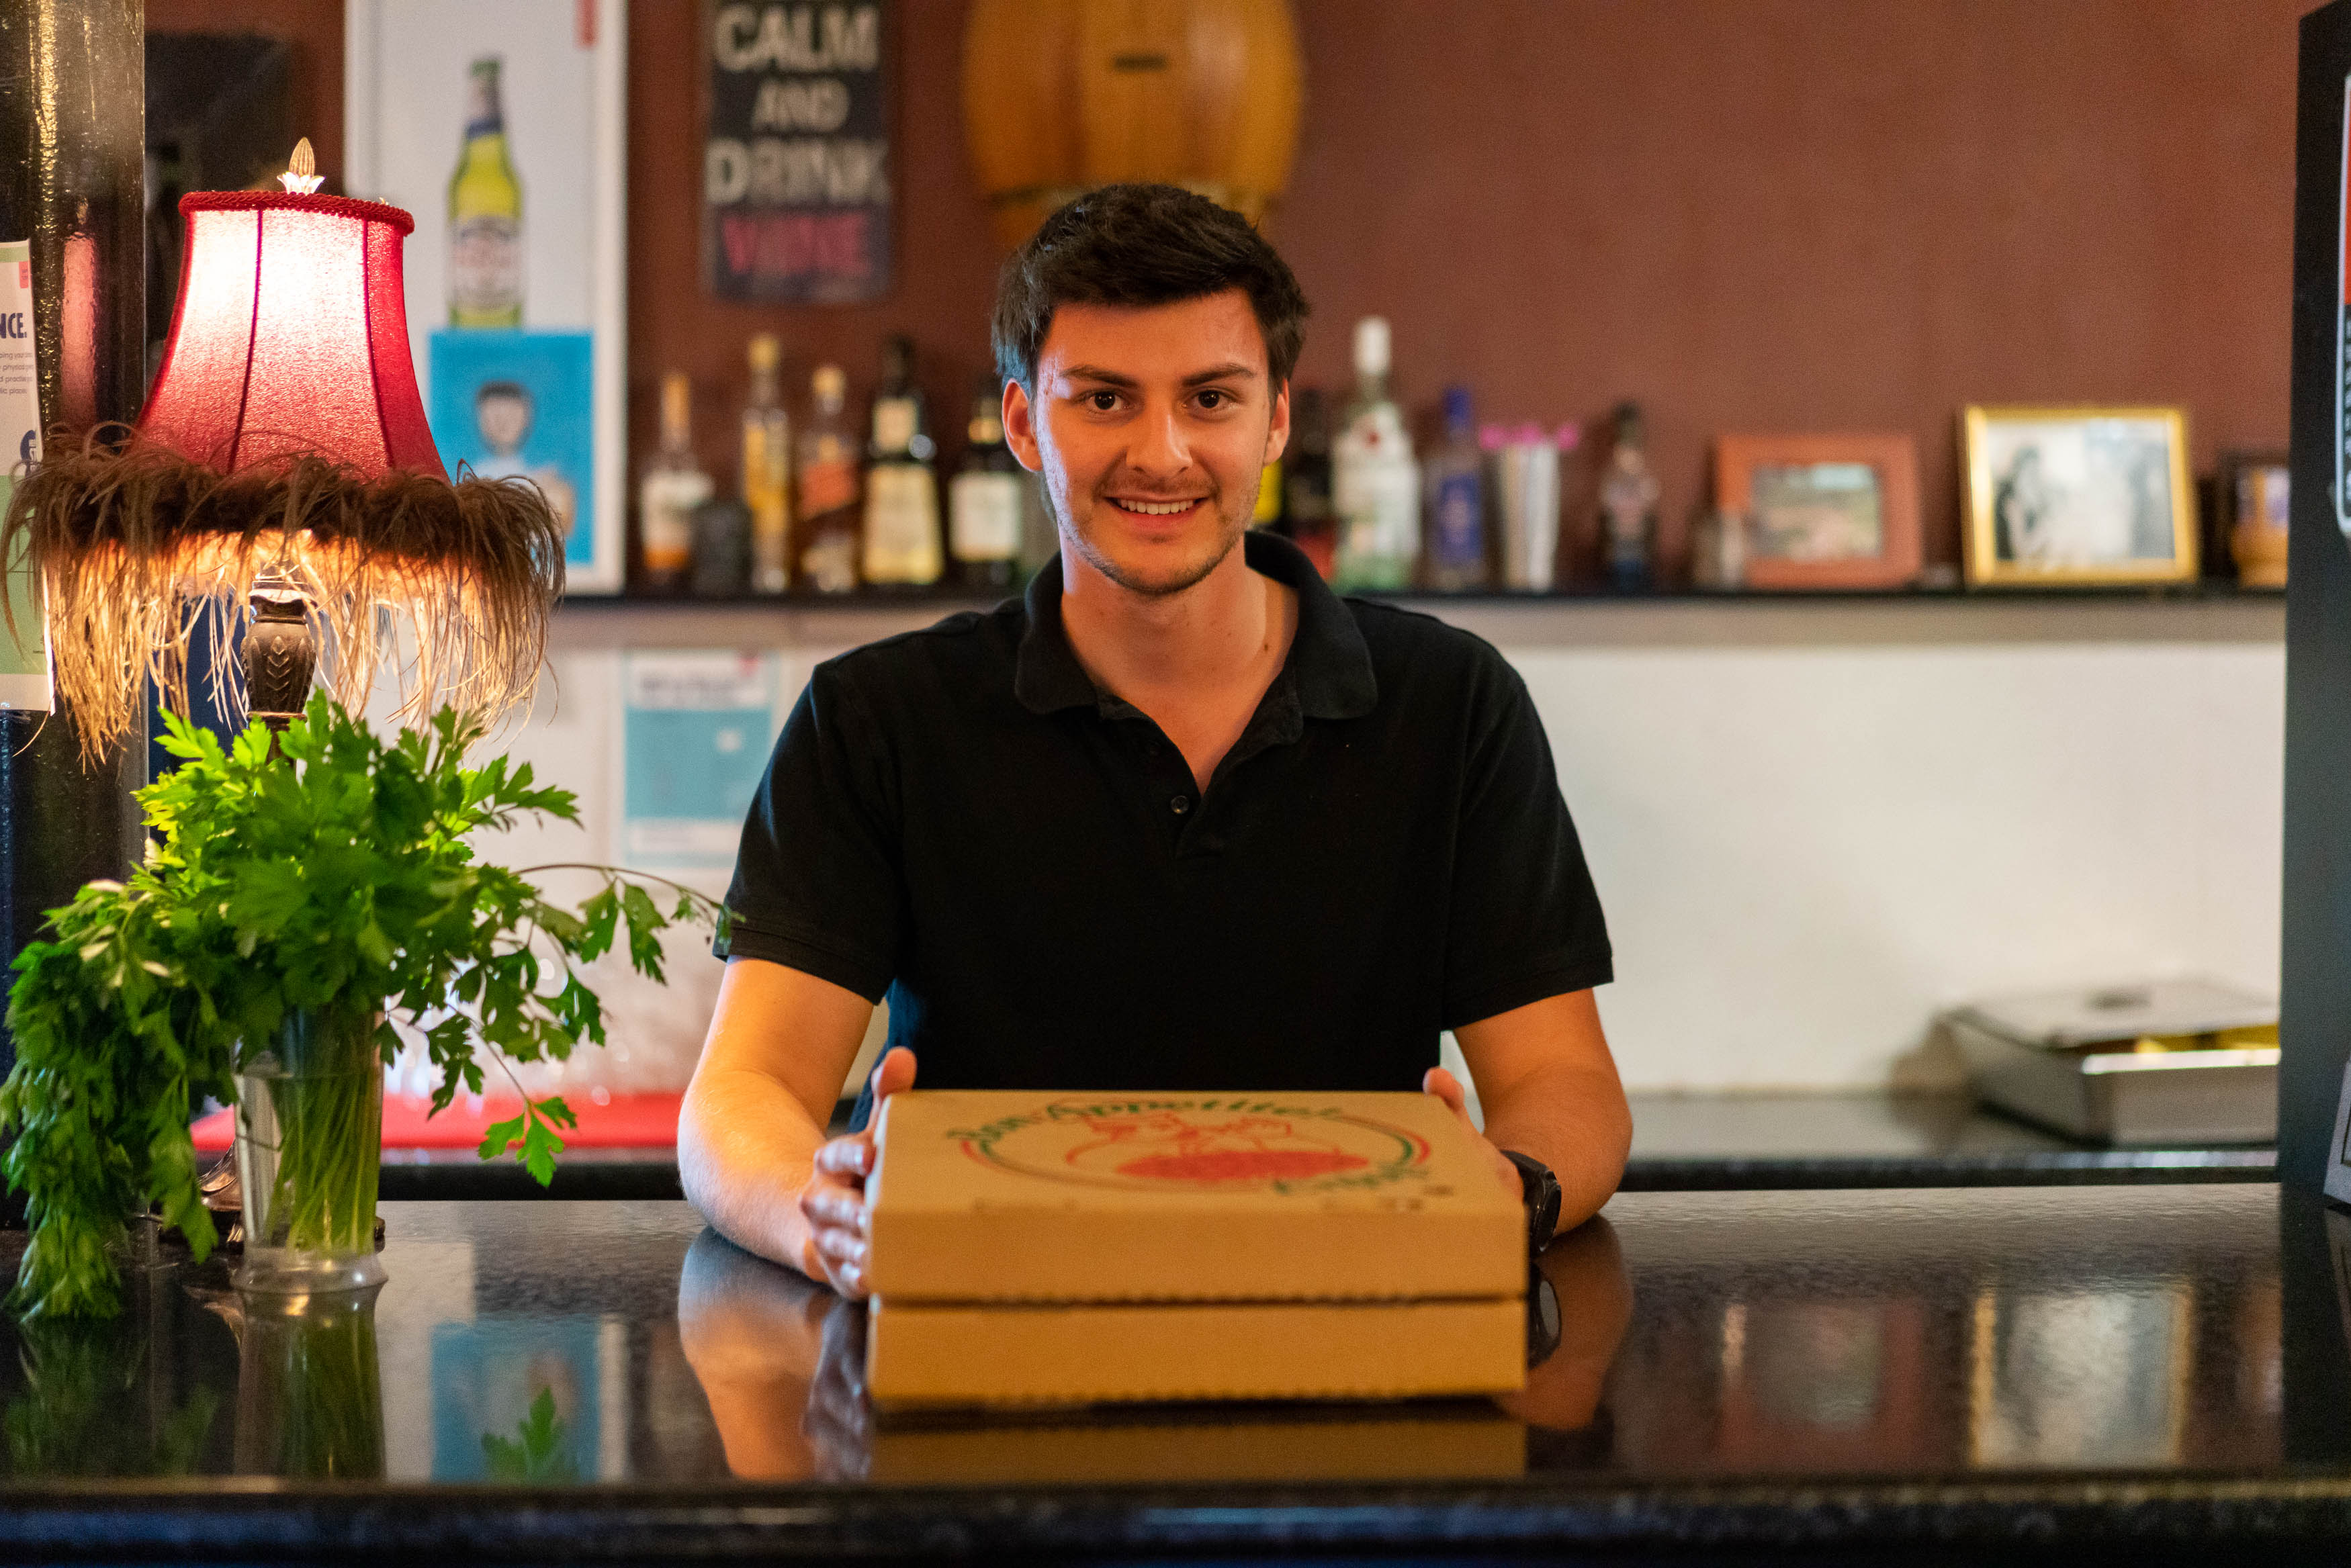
(1096, 373)
(1233, 370)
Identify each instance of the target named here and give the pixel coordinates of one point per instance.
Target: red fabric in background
(629, 1121)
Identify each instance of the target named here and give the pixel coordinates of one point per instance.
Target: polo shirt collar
(1330, 665)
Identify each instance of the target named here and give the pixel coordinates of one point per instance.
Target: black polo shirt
(959, 817)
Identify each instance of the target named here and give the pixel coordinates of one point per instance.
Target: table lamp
(283, 460)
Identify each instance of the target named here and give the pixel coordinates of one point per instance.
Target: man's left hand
(1447, 1088)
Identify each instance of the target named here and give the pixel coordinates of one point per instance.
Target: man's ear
(1276, 433)
(1021, 427)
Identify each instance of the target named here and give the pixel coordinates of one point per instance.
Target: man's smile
(1143, 508)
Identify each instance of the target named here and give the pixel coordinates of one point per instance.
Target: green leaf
(499, 1136)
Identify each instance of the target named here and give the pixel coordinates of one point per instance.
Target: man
(1179, 818)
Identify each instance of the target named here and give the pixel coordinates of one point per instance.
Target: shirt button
(1180, 804)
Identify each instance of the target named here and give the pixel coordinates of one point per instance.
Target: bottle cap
(1372, 346)
(766, 350)
(831, 386)
(1457, 409)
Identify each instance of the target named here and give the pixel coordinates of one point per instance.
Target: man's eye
(1102, 402)
(1213, 400)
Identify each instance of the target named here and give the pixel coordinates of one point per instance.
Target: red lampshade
(291, 337)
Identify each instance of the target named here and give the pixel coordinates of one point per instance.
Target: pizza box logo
(1200, 1146)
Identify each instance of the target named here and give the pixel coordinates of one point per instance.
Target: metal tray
(2123, 1096)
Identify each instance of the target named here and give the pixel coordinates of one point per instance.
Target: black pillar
(72, 135)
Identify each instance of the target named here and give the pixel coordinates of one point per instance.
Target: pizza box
(919, 1353)
(1421, 1440)
(1012, 1196)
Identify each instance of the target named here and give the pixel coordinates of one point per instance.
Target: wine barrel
(1061, 96)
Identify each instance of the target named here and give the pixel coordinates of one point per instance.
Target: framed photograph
(1823, 511)
(502, 128)
(2067, 496)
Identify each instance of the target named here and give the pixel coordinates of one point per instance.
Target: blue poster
(696, 729)
(522, 403)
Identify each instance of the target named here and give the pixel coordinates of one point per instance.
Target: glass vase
(309, 1144)
(309, 1389)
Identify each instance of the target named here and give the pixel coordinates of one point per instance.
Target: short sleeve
(818, 885)
(1525, 919)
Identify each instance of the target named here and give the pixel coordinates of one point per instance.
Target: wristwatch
(1539, 1189)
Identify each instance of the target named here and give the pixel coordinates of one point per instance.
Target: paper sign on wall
(696, 729)
(24, 658)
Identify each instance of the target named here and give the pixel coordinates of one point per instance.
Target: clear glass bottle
(767, 469)
(673, 486)
(985, 500)
(902, 489)
(1374, 483)
(1628, 505)
(485, 257)
(1306, 515)
(828, 480)
(1457, 559)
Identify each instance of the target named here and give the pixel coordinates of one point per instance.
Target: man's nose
(1159, 447)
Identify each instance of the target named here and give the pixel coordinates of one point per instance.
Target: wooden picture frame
(1822, 561)
(2078, 495)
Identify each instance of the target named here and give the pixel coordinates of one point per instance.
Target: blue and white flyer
(23, 657)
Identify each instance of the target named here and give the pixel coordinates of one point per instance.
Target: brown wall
(1751, 214)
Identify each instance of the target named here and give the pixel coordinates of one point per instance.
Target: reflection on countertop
(1681, 1143)
(1915, 1339)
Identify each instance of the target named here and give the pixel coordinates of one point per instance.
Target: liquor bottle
(984, 501)
(901, 493)
(767, 469)
(674, 485)
(828, 488)
(485, 215)
(1457, 556)
(1374, 483)
(1306, 515)
(1628, 504)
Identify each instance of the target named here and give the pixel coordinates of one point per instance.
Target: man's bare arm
(780, 1044)
(1549, 1088)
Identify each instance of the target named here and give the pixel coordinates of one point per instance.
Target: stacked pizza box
(1033, 1249)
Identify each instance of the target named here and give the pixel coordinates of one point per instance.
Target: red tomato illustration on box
(1205, 1145)
(1169, 1146)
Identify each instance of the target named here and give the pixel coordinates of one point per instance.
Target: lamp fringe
(135, 543)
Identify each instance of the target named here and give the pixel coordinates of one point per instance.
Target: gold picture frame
(2066, 496)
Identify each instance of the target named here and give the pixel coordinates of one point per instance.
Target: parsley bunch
(334, 879)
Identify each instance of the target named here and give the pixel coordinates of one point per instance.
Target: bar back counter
(2073, 1373)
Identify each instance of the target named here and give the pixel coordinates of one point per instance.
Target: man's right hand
(833, 1202)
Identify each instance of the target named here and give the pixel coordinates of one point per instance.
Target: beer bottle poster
(796, 160)
(500, 128)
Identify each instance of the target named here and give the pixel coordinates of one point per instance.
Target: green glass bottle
(485, 215)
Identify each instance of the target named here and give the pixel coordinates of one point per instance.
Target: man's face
(1151, 425)
(503, 421)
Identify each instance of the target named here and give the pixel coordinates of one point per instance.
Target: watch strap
(1539, 1190)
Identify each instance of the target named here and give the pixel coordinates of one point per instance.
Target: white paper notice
(696, 733)
(24, 658)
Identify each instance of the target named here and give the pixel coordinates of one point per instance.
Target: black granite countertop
(2150, 1372)
(1681, 1143)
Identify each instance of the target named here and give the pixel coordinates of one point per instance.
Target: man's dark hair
(1142, 245)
